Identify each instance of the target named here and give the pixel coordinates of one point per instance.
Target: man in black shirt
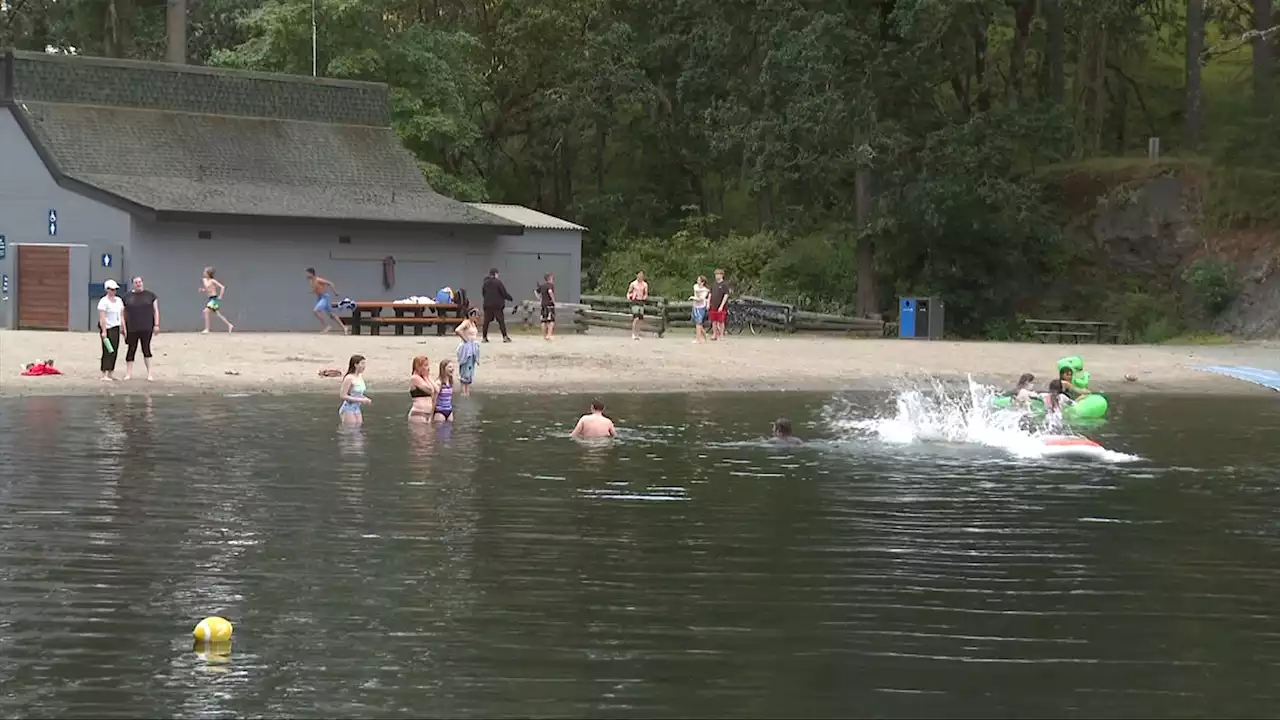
(495, 297)
(142, 318)
(547, 300)
(719, 305)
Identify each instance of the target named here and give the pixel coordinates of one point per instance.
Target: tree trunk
(1263, 19)
(764, 207)
(118, 39)
(980, 45)
(602, 135)
(867, 304)
(1057, 43)
(176, 32)
(1024, 15)
(1195, 46)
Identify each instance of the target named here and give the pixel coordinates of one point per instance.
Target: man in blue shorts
(325, 295)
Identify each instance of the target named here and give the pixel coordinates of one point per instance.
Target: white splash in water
(964, 417)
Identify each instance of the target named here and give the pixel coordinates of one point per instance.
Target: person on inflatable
(1055, 400)
(1023, 393)
(1065, 377)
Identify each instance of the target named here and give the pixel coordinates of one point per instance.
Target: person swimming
(421, 390)
(444, 393)
(594, 424)
(782, 433)
(352, 392)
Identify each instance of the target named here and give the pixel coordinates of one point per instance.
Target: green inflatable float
(1090, 407)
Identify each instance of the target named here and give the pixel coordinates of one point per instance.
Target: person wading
(495, 297)
(142, 317)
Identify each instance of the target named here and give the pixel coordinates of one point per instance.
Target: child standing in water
(444, 393)
(213, 290)
(468, 351)
(352, 392)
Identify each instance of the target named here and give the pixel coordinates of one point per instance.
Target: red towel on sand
(41, 369)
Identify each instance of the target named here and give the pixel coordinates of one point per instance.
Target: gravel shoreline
(222, 363)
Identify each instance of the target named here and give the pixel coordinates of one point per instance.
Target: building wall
(27, 193)
(263, 267)
(522, 261)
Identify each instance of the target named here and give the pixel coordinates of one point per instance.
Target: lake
(496, 568)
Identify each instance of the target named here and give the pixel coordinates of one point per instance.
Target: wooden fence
(746, 314)
(615, 312)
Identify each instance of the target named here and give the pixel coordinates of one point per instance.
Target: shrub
(1214, 283)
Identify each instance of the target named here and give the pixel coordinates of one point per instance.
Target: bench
(1074, 330)
(417, 316)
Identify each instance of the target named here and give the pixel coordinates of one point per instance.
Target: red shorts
(718, 316)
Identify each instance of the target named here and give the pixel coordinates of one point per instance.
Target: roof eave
(189, 216)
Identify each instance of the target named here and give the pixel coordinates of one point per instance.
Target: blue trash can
(906, 317)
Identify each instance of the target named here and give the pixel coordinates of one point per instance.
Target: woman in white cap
(110, 326)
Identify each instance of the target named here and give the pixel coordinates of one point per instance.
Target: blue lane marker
(1265, 378)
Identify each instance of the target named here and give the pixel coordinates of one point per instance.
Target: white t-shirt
(114, 308)
(701, 296)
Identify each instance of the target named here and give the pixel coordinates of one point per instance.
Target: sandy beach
(190, 363)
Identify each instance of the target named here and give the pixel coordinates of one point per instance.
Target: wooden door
(44, 301)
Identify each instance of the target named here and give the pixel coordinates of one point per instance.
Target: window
(344, 239)
(205, 234)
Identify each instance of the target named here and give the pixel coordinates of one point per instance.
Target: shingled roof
(177, 140)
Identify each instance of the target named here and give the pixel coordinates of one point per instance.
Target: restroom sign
(106, 260)
(53, 223)
(4, 247)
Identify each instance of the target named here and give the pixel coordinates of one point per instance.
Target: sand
(190, 363)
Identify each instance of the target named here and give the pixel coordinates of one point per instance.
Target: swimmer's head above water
(1026, 380)
(782, 427)
(597, 407)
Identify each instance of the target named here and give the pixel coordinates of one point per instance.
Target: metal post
(1153, 149)
(313, 38)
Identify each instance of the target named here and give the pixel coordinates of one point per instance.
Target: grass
(1201, 339)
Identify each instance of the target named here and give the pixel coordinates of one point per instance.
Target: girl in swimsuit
(352, 392)
(468, 350)
(444, 393)
(213, 290)
(422, 390)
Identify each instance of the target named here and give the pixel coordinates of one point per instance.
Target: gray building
(160, 170)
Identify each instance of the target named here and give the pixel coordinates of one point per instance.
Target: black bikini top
(418, 392)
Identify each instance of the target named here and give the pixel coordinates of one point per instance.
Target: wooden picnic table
(370, 314)
(1074, 330)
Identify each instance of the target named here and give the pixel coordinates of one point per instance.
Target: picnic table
(1074, 330)
(374, 315)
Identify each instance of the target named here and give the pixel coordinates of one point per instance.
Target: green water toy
(1090, 407)
(1093, 406)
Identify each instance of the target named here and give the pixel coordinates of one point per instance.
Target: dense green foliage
(689, 134)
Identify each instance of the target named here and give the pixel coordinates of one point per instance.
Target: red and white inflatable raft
(1072, 446)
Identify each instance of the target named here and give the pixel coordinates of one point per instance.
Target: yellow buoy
(212, 630)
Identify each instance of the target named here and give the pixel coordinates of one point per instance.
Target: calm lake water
(497, 569)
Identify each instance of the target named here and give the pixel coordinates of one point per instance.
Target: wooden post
(1153, 149)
